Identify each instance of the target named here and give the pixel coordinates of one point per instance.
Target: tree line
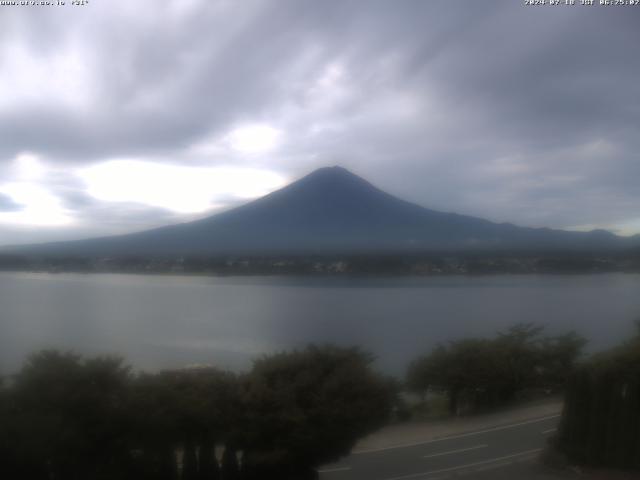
(484, 373)
(64, 417)
(600, 423)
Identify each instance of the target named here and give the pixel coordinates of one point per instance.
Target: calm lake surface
(168, 321)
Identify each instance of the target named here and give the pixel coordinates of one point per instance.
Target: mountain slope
(333, 210)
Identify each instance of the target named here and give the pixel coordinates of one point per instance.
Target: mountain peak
(335, 171)
(332, 177)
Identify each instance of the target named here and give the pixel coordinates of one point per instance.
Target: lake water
(168, 321)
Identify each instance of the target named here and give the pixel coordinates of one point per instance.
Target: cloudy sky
(118, 115)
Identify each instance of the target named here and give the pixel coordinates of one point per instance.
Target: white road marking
(337, 469)
(453, 437)
(551, 430)
(468, 465)
(455, 451)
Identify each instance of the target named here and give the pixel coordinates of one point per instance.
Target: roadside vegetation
(478, 374)
(66, 417)
(600, 425)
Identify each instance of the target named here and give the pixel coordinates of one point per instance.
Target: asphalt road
(493, 448)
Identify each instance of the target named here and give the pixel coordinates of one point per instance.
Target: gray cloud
(503, 111)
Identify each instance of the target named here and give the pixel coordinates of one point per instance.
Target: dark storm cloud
(160, 85)
(514, 113)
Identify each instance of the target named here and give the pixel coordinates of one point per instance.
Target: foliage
(485, 373)
(66, 417)
(601, 420)
(308, 407)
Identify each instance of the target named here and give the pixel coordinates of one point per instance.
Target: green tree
(153, 416)
(467, 370)
(69, 417)
(558, 358)
(7, 456)
(65, 417)
(187, 409)
(308, 407)
(600, 424)
(486, 373)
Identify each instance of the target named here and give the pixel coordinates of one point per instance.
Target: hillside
(332, 210)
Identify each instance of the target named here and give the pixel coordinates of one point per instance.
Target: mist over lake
(170, 321)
